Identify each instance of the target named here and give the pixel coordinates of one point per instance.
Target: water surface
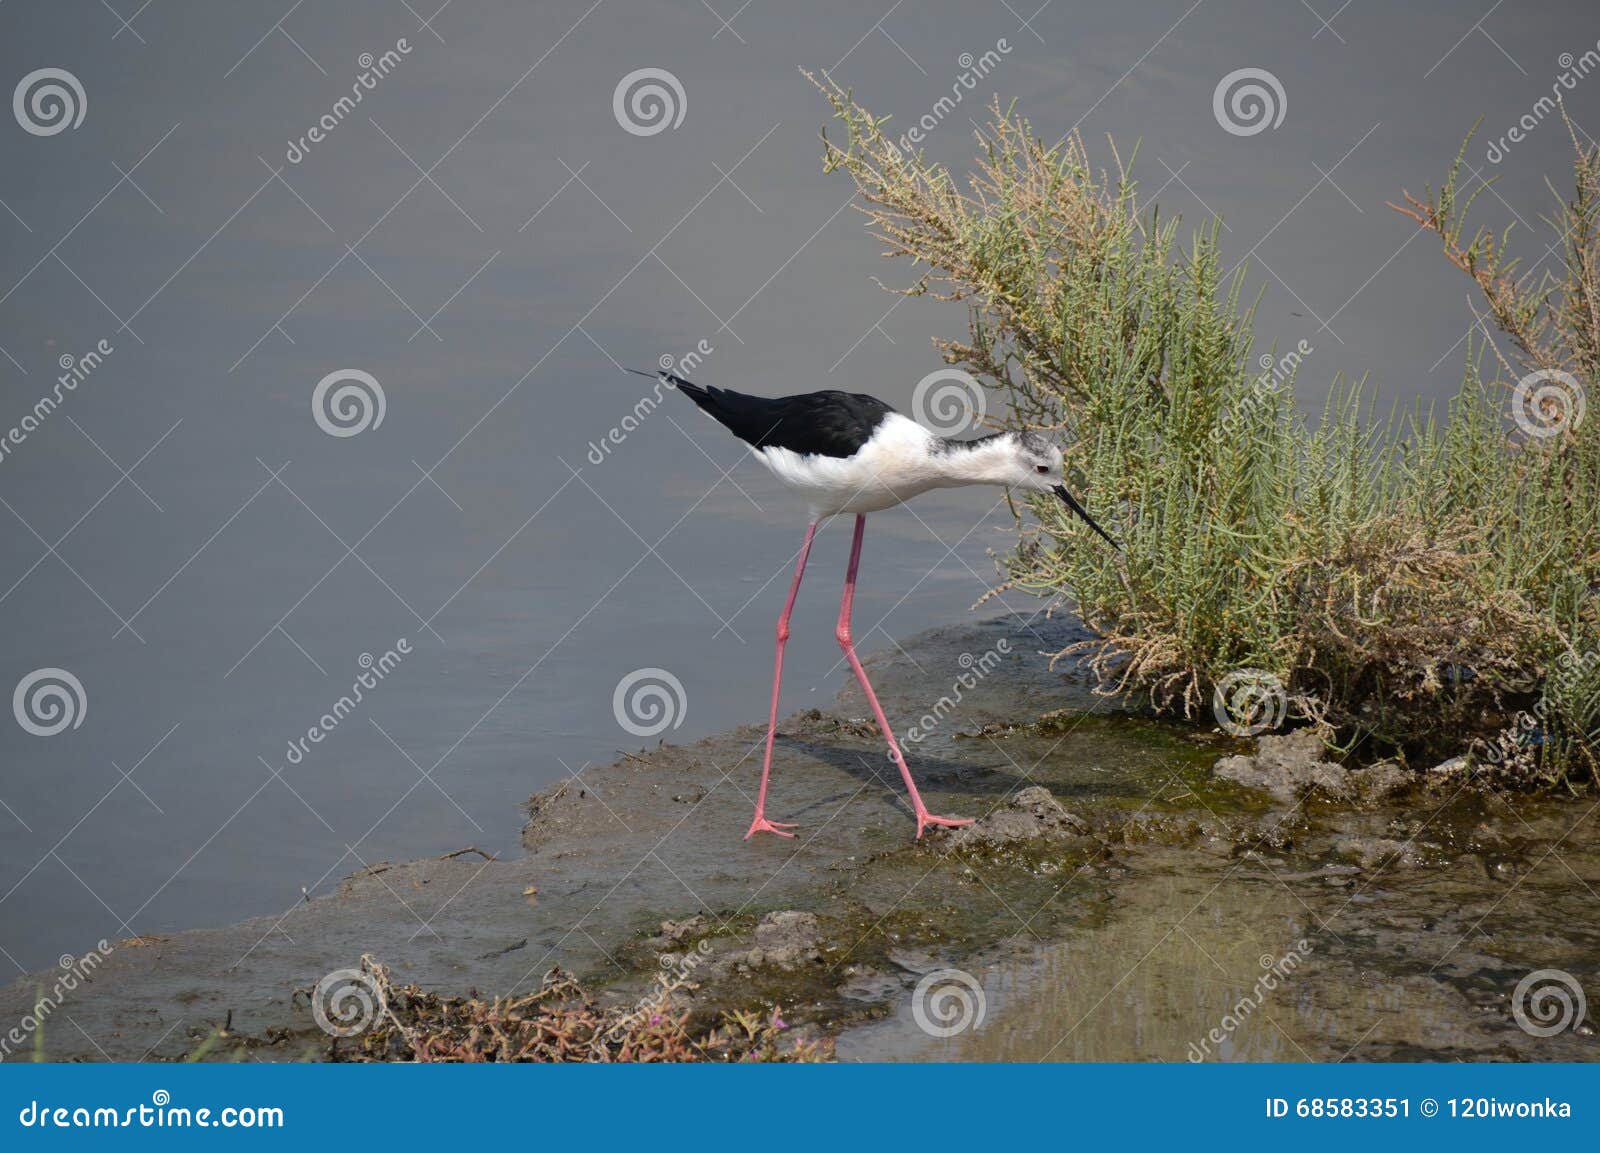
(483, 238)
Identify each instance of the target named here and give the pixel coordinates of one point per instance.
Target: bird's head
(1032, 461)
(1027, 461)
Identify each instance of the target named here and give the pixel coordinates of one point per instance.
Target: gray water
(216, 601)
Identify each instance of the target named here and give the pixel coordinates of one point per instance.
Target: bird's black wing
(827, 423)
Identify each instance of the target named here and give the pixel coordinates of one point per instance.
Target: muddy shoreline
(1119, 900)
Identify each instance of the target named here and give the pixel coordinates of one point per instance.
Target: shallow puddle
(1199, 957)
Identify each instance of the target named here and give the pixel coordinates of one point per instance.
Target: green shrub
(1411, 583)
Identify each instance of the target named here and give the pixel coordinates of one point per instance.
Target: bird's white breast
(896, 464)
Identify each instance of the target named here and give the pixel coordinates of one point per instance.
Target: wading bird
(848, 453)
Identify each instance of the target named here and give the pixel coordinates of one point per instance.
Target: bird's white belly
(891, 468)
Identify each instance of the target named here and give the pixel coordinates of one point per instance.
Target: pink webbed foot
(925, 818)
(762, 825)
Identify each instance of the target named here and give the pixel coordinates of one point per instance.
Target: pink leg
(842, 632)
(761, 824)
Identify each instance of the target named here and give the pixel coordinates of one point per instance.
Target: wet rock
(989, 729)
(541, 809)
(1378, 782)
(1373, 853)
(1033, 814)
(785, 940)
(1276, 831)
(917, 962)
(870, 985)
(1057, 722)
(1155, 828)
(1286, 766)
(674, 931)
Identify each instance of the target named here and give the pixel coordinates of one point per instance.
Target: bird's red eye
(1041, 469)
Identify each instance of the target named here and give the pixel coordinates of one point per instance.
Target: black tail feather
(826, 423)
(675, 381)
(693, 391)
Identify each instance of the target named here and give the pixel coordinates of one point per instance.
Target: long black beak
(1072, 503)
